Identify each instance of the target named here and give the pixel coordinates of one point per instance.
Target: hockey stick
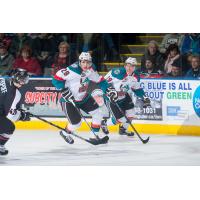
(99, 140)
(52, 124)
(144, 141)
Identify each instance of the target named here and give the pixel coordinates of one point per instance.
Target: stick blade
(103, 140)
(145, 141)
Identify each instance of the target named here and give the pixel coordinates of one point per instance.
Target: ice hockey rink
(43, 148)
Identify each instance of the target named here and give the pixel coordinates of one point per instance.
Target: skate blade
(130, 135)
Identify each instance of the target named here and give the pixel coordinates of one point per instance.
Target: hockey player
(10, 100)
(125, 81)
(73, 82)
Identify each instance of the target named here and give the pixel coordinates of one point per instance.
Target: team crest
(74, 65)
(117, 71)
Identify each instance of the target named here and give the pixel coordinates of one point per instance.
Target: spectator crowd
(43, 54)
(176, 57)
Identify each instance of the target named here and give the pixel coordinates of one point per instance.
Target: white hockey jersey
(124, 83)
(77, 80)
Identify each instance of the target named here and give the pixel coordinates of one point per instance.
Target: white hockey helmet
(85, 56)
(131, 61)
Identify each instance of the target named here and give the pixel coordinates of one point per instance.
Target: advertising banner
(172, 101)
(154, 90)
(181, 102)
(41, 98)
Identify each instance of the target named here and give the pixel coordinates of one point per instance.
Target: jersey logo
(117, 71)
(83, 74)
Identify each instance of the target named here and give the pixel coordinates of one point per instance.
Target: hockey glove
(67, 95)
(112, 94)
(25, 116)
(146, 102)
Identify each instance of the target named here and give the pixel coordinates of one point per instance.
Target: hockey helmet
(85, 56)
(20, 76)
(131, 61)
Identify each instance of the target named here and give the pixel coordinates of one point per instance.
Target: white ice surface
(48, 148)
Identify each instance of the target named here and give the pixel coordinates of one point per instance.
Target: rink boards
(175, 107)
(141, 128)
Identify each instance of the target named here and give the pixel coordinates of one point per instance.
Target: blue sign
(196, 101)
(173, 110)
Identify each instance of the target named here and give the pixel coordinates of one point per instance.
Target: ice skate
(3, 150)
(104, 126)
(123, 131)
(65, 135)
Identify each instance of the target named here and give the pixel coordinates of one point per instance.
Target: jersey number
(65, 72)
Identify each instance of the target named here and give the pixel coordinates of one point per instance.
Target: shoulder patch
(116, 71)
(75, 68)
(74, 65)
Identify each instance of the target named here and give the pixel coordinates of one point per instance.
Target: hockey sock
(122, 120)
(95, 128)
(111, 121)
(73, 127)
(4, 137)
(125, 125)
(3, 140)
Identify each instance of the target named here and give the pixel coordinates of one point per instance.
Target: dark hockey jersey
(10, 100)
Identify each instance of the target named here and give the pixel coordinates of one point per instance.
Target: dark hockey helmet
(20, 76)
